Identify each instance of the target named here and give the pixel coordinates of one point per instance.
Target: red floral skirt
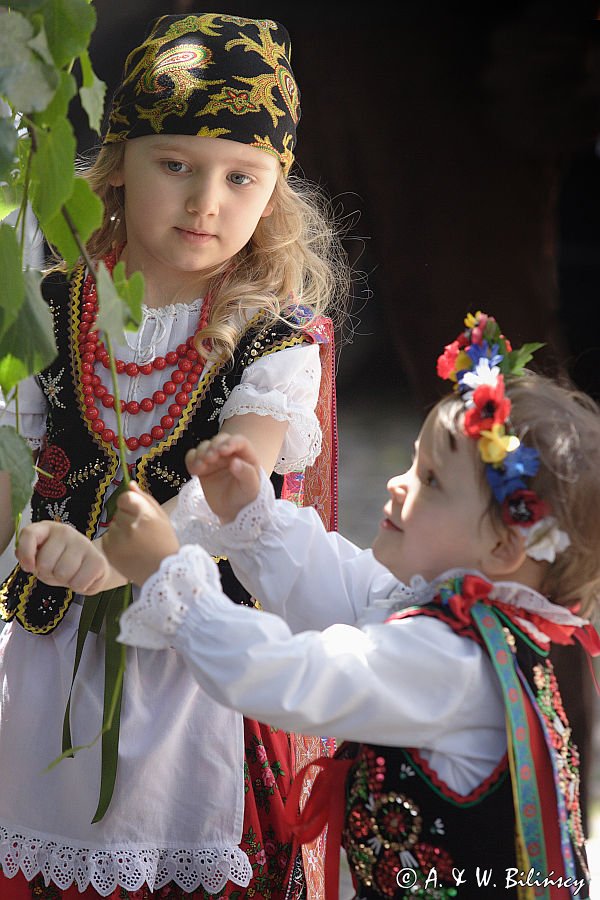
(273, 852)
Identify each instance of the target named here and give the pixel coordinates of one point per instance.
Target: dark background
(461, 140)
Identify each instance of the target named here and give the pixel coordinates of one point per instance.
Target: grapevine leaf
(85, 210)
(15, 457)
(12, 283)
(26, 81)
(28, 346)
(52, 169)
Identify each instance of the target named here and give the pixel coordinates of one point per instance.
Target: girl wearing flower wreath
(181, 797)
(430, 657)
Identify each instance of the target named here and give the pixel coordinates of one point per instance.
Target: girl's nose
(397, 485)
(203, 199)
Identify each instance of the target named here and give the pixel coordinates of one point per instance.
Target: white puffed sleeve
(285, 386)
(33, 410)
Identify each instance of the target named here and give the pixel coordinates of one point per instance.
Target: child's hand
(140, 535)
(229, 472)
(60, 555)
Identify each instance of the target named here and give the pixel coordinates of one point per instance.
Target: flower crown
(477, 362)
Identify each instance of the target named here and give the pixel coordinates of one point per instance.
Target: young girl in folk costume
(240, 261)
(431, 655)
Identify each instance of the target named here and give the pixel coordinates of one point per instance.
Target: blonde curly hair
(295, 256)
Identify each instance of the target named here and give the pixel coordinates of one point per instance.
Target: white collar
(419, 592)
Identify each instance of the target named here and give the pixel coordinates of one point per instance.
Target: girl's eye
(175, 166)
(239, 178)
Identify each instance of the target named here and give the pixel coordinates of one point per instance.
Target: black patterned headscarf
(211, 75)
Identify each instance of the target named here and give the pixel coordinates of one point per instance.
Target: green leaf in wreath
(52, 170)
(8, 147)
(12, 283)
(69, 25)
(26, 80)
(28, 346)
(15, 457)
(517, 359)
(91, 93)
(84, 208)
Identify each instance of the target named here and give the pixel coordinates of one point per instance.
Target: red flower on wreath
(490, 407)
(524, 508)
(55, 463)
(447, 360)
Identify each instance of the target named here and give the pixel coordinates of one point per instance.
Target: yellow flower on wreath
(494, 444)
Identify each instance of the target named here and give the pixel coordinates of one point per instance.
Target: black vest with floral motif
(82, 467)
(408, 835)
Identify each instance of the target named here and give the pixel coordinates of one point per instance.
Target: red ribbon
(325, 806)
(474, 589)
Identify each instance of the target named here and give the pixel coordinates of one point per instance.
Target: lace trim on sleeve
(182, 580)
(195, 523)
(302, 443)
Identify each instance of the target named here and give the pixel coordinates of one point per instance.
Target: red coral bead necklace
(186, 368)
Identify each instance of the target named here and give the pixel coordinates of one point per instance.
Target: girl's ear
(117, 179)
(508, 554)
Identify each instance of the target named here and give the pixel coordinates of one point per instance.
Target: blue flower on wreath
(483, 351)
(516, 466)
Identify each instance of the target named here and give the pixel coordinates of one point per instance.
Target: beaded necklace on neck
(185, 362)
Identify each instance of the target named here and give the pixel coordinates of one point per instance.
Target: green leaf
(39, 45)
(69, 26)
(15, 457)
(8, 147)
(518, 359)
(91, 93)
(131, 291)
(28, 346)
(115, 313)
(26, 81)
(52, 170)
(85, 210)
(59, 105)
(10, 199)
(12, 283)
(28, 6)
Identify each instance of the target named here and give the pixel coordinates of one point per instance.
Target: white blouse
(412, 682)
(177, 809)
(284, 385)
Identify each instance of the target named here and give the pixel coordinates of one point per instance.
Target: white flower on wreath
(544, 540)
(483, 373)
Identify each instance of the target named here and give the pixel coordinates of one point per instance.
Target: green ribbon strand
(114, 668)
(105, 607)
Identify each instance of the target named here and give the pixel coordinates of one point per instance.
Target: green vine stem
(113, 370)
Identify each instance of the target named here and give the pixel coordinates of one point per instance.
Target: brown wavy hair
(563, 424)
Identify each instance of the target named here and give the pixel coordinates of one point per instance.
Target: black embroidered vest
(408, 835)
(82, 467)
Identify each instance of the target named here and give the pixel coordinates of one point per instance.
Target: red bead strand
(186, 369)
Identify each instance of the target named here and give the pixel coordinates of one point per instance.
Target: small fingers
(209, 453)
(30, 538)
